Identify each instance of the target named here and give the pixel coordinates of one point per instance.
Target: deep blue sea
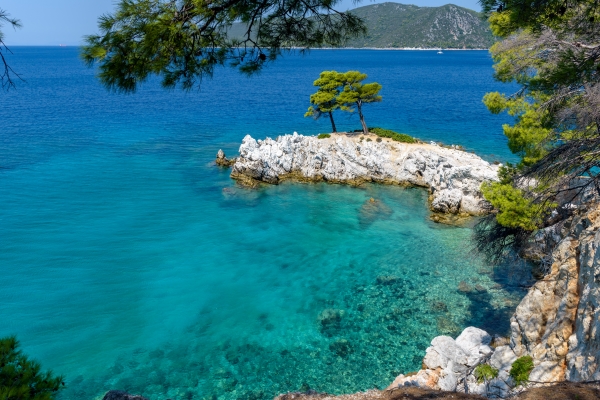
(130, 261)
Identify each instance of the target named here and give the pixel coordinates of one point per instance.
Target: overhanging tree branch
(183, 41)
(7, 74)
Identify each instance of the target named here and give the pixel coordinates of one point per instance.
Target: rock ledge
(452, 176)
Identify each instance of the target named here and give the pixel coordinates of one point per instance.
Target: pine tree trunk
(332, 123)
(362, 118)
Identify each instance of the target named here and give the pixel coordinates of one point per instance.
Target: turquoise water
(130, 261)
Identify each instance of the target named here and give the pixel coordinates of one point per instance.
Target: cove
(131, 262)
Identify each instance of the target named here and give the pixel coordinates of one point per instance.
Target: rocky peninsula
(453, 176)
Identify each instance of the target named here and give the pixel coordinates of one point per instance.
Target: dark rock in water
(373, 210)
(121, 395)
(464, 287)
(480, 288)
(439, 306)
(341, 347)
(446, 326)
(223, 161)
(460, 220)
(386, 280)
(331, 320)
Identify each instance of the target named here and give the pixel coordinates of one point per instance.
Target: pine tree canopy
(325, 99)
(343, 90)
(551, 49)
(357, 92)
(21, 378)
(184, 40)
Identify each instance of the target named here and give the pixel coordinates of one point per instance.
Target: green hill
(400, 25)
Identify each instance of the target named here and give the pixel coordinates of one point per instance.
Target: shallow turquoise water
(130, 261)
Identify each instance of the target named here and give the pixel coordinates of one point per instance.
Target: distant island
(397, 26)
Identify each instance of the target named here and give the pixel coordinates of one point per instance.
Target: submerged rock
(453, 176)
(372, 210)
(330, 320)
(121, 395)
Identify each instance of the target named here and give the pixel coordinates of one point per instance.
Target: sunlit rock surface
(557, 323)
(453, 176)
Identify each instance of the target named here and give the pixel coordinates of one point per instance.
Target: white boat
(440, 52)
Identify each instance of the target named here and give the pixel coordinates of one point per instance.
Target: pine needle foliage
(183, 41)
(551, 49)
(342, 90)
(356, 94)
(325, 100)
(22, 378)
(7, 74)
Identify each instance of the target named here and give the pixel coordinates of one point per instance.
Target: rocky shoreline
(557, 323)
(452, 176)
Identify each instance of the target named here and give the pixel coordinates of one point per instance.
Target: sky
(56, 22)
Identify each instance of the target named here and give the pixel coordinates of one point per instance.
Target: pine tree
(7, 74)
(325, 100)
(184, 41)
(22, 378)
(357, 94)
(550, 48)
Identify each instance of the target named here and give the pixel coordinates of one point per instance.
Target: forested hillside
(399, 25)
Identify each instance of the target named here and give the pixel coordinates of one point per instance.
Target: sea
(130, 261)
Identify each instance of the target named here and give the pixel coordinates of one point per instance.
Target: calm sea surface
(129, 261)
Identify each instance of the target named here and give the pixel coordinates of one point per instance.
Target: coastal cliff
(557, 323)
(452, 176)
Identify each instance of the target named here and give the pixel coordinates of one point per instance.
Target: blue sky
(67, 21)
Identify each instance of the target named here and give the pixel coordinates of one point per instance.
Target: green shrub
(21, 378)
(323, 136)
(369, 140)
(395, 136)
(378, 140)
(515, 210)
(521, 369)
(485, 372)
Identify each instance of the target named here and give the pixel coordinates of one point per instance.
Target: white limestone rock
(498, 388)
(448, 380)
(475, 343)
(558, 322)
(583, 357)
(453, 176)
(433, 359)
(474, 387)
(503, 358)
